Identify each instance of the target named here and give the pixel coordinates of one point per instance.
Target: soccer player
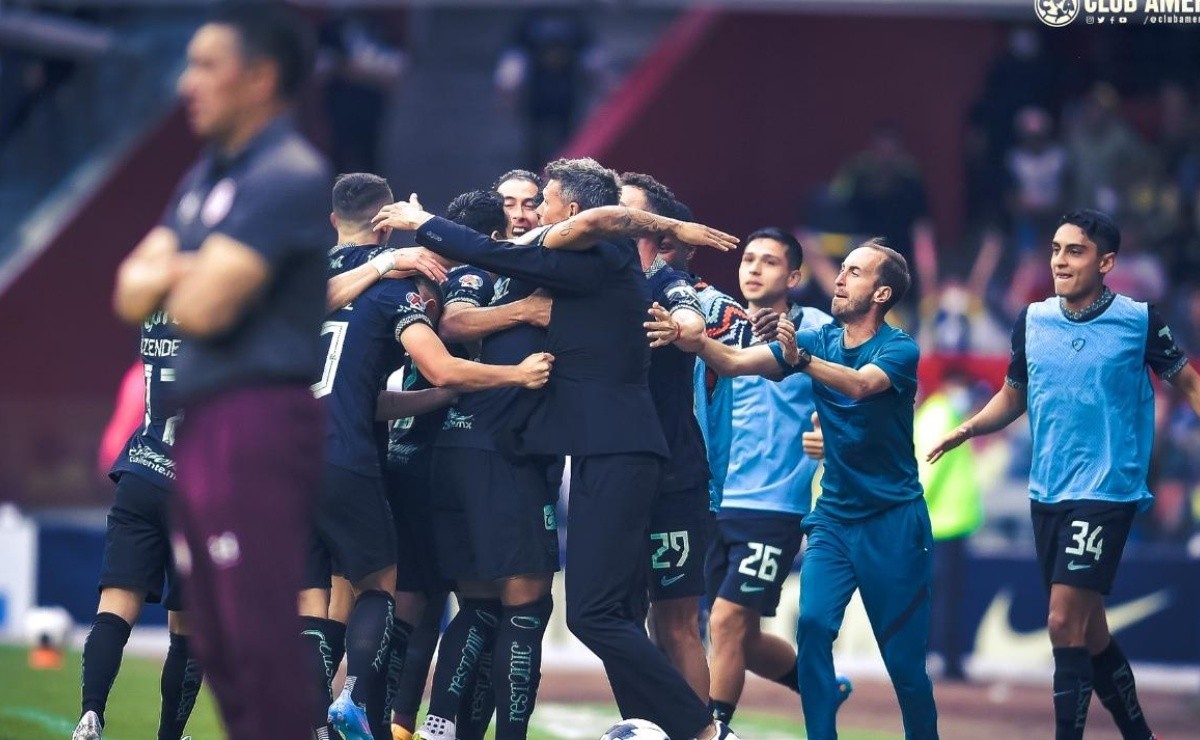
(765, 489)
(137, 553)
(869, 529)
(680, 523)
(237, 261)
(354, 527)
(597, 409)
(522, 193)
(1078, 367)
(495, 528)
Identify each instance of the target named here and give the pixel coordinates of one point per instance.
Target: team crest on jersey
(414, 300)
(471, 281)
(219, 201)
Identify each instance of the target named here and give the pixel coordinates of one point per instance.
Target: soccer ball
(48, 627)
(634, 729)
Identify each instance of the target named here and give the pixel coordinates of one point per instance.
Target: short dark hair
(658, 196)
(524, 175)
(795, 253)
(268, 30)
(358, 196)
(679, 211)
(893, 271)
(481, 210)
(1099, 227)
(586, 182)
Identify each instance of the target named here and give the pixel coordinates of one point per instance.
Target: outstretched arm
(463, 322)
(1188, 381)
(583, 230)
(1004, 408)
(662, 329)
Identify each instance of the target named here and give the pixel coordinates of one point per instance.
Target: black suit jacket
(598, 399)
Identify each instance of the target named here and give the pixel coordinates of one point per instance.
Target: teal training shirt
(870, 464)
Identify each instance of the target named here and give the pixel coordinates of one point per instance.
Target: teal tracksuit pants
(887, 557)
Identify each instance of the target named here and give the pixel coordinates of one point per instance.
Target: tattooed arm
(582, 231)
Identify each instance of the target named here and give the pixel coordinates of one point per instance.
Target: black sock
(791, 679)
(397, 652)
(1116, 690)
(335, 632)
(473, 628)
(318, 637)
(180, 685)
(722, 710)
(417, 662)
(518, 665)
(102, 659)
(1072, 692)
(367, 635)
(479, 702)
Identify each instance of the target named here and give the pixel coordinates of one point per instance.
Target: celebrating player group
(338, 434)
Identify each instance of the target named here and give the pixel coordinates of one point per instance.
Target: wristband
(384, 262)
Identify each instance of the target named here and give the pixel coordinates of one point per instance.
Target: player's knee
(581, 623)
(676, 626)
(727, 627)
(1065, 628)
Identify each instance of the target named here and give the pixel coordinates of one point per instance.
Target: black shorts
(680, 528)
(137, 543)
(1079, 543)
(495, 516)
(410, 493)
(352, 528)
(751, 556)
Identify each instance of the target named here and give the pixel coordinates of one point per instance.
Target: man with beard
(870, 529)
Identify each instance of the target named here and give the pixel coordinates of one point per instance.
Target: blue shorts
(751, 556)
(680, 529)
(137, 543)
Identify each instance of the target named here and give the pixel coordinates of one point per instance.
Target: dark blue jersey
(361, 351)
(477, 418)
(671, 384)
(148, 452)
(273, 197)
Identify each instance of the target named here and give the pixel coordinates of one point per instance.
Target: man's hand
(661, 329)
(536, 308)
(403, 215)
(785, 334)
(703, 236)
(412, 260)
(764, 324)
(814, 441)
(534, 370)
(949, 442)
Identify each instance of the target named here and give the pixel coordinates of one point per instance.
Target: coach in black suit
(596, 408)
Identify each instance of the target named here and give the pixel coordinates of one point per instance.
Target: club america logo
(1056, 13)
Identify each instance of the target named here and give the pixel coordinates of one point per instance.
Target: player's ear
(882, 294)
(1108, 261)
(793, 278)
(333, 220)
(573, 209)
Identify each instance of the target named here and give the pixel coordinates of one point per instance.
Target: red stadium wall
(738, 113)
(64, 352)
